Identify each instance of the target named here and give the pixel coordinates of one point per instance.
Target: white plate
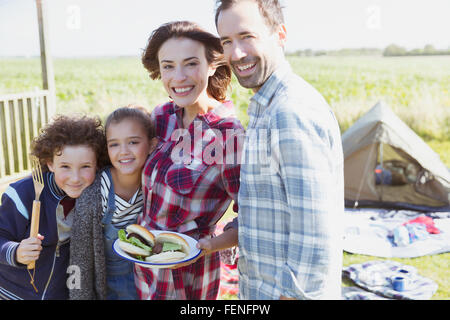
(193, 253)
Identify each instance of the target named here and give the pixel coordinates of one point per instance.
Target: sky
(122, 27)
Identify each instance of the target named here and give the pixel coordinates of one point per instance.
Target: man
(291, 195)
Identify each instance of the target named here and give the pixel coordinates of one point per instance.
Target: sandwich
(136, 241)
(169, 247)
(141, 244)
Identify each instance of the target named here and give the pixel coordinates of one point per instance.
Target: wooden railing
(21, 117)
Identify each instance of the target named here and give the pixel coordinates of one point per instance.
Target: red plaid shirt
(187, 189)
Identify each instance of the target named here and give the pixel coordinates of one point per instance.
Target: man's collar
(268, 89)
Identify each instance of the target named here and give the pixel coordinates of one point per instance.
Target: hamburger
(169, 247)
(136, 241)
(141, 244)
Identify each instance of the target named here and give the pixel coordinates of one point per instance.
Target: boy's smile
(74, 168)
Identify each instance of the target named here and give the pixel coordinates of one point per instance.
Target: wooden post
(48, 78)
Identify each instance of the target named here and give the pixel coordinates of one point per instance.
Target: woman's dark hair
(70, 131)
(135, 112)
(217, 83)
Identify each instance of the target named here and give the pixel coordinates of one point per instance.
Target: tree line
(392, 50)
(428, 50)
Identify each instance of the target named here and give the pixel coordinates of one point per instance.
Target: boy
(70, 149)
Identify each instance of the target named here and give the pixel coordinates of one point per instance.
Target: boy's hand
(29, 249)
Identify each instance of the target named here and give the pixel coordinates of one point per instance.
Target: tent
(388, 165)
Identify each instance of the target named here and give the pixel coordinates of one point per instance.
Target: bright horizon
(121, 28)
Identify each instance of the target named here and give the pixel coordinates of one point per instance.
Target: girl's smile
(128, 146)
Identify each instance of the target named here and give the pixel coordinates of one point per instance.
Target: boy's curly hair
(70, 131)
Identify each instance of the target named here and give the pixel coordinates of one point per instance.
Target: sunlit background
(121, 27)
(354, 52)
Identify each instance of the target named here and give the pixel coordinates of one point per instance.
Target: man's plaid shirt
(291, 196)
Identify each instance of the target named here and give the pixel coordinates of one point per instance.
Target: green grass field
(417, 89)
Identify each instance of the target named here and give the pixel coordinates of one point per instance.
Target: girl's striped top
(126, 211)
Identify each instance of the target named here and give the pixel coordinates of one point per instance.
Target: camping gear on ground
(395, 233)
(388, 279)
(229, 280)
(388, 165)
(414, 230)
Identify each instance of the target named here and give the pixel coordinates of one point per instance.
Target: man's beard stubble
(257, 79)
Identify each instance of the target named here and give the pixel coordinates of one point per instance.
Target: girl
(70, 150)
(189, 196)
(112, 202)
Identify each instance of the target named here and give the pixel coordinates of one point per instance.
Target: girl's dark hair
(217, 83)
(70, 131)
(135, 112)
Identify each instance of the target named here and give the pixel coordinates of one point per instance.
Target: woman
(191, 178)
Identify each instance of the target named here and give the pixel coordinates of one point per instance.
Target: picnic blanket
(375, 277)
(396, 233)
(229, 280)
(229, 275)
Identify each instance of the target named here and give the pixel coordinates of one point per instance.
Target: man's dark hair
(271, 11)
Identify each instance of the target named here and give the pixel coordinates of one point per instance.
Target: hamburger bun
(169, 256)
(133, 250)
(166, 257)
(141, 231)
(174, 238)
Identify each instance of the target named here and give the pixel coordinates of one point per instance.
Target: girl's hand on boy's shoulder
(29, 249)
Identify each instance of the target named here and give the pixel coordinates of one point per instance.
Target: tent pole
(363, 175)
(380, 152)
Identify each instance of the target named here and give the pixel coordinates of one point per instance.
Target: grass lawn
(435, 267)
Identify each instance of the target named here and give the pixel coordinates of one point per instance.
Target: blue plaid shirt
(291, 196)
